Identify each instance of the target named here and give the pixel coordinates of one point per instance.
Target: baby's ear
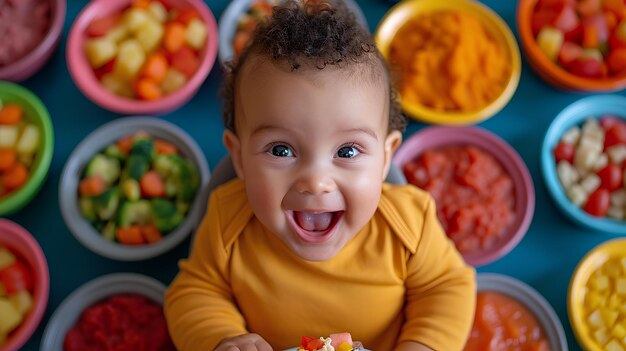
(232, 143)
(392, 142)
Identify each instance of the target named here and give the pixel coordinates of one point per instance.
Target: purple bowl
(28, 65)
(437, 137)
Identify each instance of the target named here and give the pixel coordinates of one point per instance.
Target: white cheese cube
(577, 195)
(594, 130)
(8, 136)
(586, 157)
(29, 141)
(617, 153)
(618, 198)
(568, 175)
(571, 136)
(590, 183)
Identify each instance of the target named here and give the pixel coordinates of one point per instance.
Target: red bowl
(84, 77)
(21, 242)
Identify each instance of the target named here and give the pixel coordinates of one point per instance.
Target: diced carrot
(185, 61)
(14, 177)
(10, 114)
(125, 144)
(164, 148)
(242, 38)
(7, 159)
(156, 67)
(92, 186)
(151, 233)
(590, 37)
(152, 185)
(611, 19)
(101, 26)
(141, 4)
(185, 16)
(148, 89)
(174, 37)
(130, 235)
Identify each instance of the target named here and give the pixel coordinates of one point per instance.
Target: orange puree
(449, 60)
(503, 324)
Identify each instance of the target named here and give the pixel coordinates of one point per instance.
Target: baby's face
(313, 150)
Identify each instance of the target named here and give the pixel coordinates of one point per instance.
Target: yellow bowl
(408, 9)
(576, 296)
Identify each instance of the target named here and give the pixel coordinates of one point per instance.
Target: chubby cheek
(265, 196)
(362, 195)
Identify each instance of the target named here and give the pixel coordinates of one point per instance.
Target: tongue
(314, 221)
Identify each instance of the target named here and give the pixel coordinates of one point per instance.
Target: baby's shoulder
(405, 208)
(230, 210)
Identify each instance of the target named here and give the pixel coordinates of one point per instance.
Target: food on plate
(587, 38)
(16, 289)
(19, 140)
(137, 189)
(146, 51)
(604, 309)
(449, 61)
(23, 25)
(503, 323)
(474, 195)
(334, 342)
(123, 322)
(591, 166)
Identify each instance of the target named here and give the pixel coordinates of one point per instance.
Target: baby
(308, 240)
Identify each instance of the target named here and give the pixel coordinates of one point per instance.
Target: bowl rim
(549, 70)
(22, 196)
(507, 157)
(93, 291)
(39, 269)
(431, 116)
(84, 79)
(531, 299)
(97, 140)
(235, 8)
(22, 69)
(574, 114)
(594, 258)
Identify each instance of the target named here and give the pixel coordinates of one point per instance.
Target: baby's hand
(245, 342)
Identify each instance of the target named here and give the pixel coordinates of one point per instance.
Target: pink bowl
(85, 79)
(20, 242)
(437, 137)
(28, 65)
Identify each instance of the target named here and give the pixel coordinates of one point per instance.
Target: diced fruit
(134, 18)
(616, 61)
(569, 52)
(196, 34)
(6, 258)
(101, 26)
(10, 317)
(130, 58)
(588, 7)
(117, 85)
(156, 67)
(10, 114)
(92, 186)
(100, 51)
(187, 15)
(175, 36)
(564, 151)
(148, 89)
(598, 203)
(185, 61)
(611, 177)
(173, 81)
(8, 157)
(14, 177)
(29, 141)
(22, 301)
(550, 41)
(615, 135)
(599, 25)
(149, 34)
(131, 189)
(8, 136)
(340, 338)
(566, 20)
(158, 11)
(586, 67)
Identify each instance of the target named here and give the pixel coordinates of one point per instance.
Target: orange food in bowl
(502, 323)
(449, 61)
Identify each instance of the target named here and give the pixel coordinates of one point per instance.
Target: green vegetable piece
(131, 189)
(143, 146)
(109, 230)
(136, 166)
(135, 212)
(104, 167)
(165, 215)
(106, 204)
(113, 151)
(85, 204)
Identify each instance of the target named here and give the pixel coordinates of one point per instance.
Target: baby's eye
(347, 152)
(281, 151)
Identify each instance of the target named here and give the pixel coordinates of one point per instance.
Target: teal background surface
(545, 259)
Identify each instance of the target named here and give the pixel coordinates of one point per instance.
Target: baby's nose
(315, 183)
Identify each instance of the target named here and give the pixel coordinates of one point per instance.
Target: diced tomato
(185, 61)
(611, 177)
(92, 186)
(566, 20)
(554, 4)
(15, 278)
(586, 67)
(616, 61)
(185, 16)
(615, 135)
(306, 340)
(101, 26)
(598, 203)
(314, 345)
(164, 148)
(152, 185)
(125, 144)
(104, 69)
(564, 151)
(542, 19)
(588, 7)
(569, 52)
(608, 121)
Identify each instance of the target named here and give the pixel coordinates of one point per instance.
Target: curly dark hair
(315, 34)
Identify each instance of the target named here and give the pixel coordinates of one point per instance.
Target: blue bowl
(574, 115)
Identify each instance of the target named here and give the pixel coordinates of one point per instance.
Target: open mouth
(314, 226)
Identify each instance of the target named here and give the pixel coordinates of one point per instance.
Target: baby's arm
(441, 292)
(199, 305)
